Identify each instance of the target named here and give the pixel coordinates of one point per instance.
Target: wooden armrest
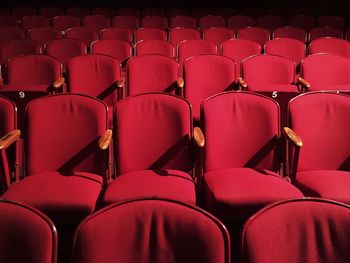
(293, 137)
(242, 83)
(180, 82)
(9, 138)
(304, 82)
(58, 83)
(105, 140)
(121, 82)
(198, 137)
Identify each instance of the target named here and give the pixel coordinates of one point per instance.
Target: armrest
(198, 137)
(293, 137)
(58, 83)
(180, 82)
(9, 138)
(105, 140)
(121, 82)
(304, 83)
(242, 83)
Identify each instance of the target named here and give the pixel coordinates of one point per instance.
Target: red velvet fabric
(292, 49)
(156, 47)
(301, 21)
(290, 32)
(77, 11)
(150, 33)
(184, 21)
(105, 11)
(151, 230)
(81, 33)
(206, 75)
(26, 235)
(270, 22)
(151, 73)
(153, 11)
(51, 11)
(43, 35)
(30, 22)
(118, 49)
(208, 21)
(325, 32)
(257, 34)
(294, 231)
(123, 34)
(332, 45)
(8, 116)
(96, 22)
(8, 21)
(126, 21)
(127, 11)
(20, 47)
(154, 22)
(64, 22)
(237, 22)
(172, 184)
(331, 21)
(177, 35)
(218, 35)
(11, 33)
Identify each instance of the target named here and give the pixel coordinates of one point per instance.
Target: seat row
(237, 172)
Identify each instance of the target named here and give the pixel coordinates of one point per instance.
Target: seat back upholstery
(332, 45)
(320, 119)
(159, 230)
(298, 230)
(189, 48)
(62, 133)
(241, 130)
(153, 131)
(27, 235)
(118, 49)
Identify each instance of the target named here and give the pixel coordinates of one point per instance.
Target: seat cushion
(236, 193)
(65, 198)
(170, 184)
(330, 184)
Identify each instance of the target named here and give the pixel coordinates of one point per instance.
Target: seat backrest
(153, 11)
(332, 45)
(290, 32)
(158, 123)
(62, 133)
(206, 75)
(238, 50)
(331, 21)
(189, 48)
(218, 35)
(8, 21)
(77, 11)
(183, 21)
(257, 34)
(268, 69)
(270, 22)
(105, 11)
(320, 119)
(11, 33)
(18, 47)
(27, 235)
(209, 21)
(118, 49)
(159, 229)
(237, 22)
(64, 22)
(50, 11)
(241, 130)
(277, 232)
(301, 21)
(95, 75)
(129, 12)
(175, 11)
(96, 22)
(198, 12)
(123, 34)
(292, 49)
(317, 32)
(124, 21)
(177, 35)
(43, 34)
(150, 33)
(151, 73)
(81, 33)
(33, 69)
(29, 22)
(154, 22)
(22, 11)
(157, 47)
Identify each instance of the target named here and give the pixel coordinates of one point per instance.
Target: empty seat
(154, 22)
(77, 11)
(209, 21)
(331, 21)
(118, 49)
(238, 50)
(128, 22)
(27, 235)
(22, 11)
(290, 32)
(185, 224)
(153, 11)
(240, 164)
(317, 32)
(257, 34)
(276, 233)
(123, 34)
(320, 169)
(163, 166)
(51, 11)
(129, 12)
(8, 21)
(65, 22)
(332, 45)
(105, 11)
(96, 22)
(150, 33)
(270, 22)
(176, 35)
(218, 35)
(81, 33)
(19, 47)
(172, 12)
(206, 75)
(301, 21)
(201, 11)
(43, 35)
(226, 12)
(152, 73)
(10, 33)
(238, 22)
(30, 22)
(183, 21)
(292, 49)
(158, 47)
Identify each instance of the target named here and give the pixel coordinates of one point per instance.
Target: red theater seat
(257, 34)
(154, 22)
(156, 47)
(51, 11)
(123, 34)
(209, 21)
(30, 22)
(120, 50)
(128, 22)
(331, 21)
(77, 11)
(105, 11)
(290, 32)
(218, 35)
(179, 34)
(332, 45)
(237, 22)
(183, 21)
(305, 22)
(81, 33)
(22, 11)
(44, 34)
(150, 33)
(270, 22)
(8, 21)
(64, 22)
(19, 47)
(96, 22)
(318, 32)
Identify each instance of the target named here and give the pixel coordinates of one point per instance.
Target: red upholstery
(64, 22)
(177, 35)
(96, 22)
(50, 11)
(302, 21)
(238, 50)
(174, 11)
(323, 130)
(129, 12)
(95, 75)
(154, 22)
(270, 22)
(153, 11)
(201, 11)
(26, 235)
(183, 21)
(160, 230)
(157, 47)
(8, 21)
(160, 125)
(290, 32)
(81, 33)
(257, 34)
(332, 45)
(325, 32)
(118, 49)
(268, 73)
(77, 11)
(206, 75)
(11, 33)
(226, 11)
(241, 131)
(18, 47)
(151, 73)
(292, 49)
(105, 11)
(300, 230)
(326, 72)
(124, 21)
(218, 35)
(43, 35)
(331, 21)
(117, 33)
(22, 11)
(238, 22)
(29, 22)
(150, 33)
(64, 49)
(209, 21)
